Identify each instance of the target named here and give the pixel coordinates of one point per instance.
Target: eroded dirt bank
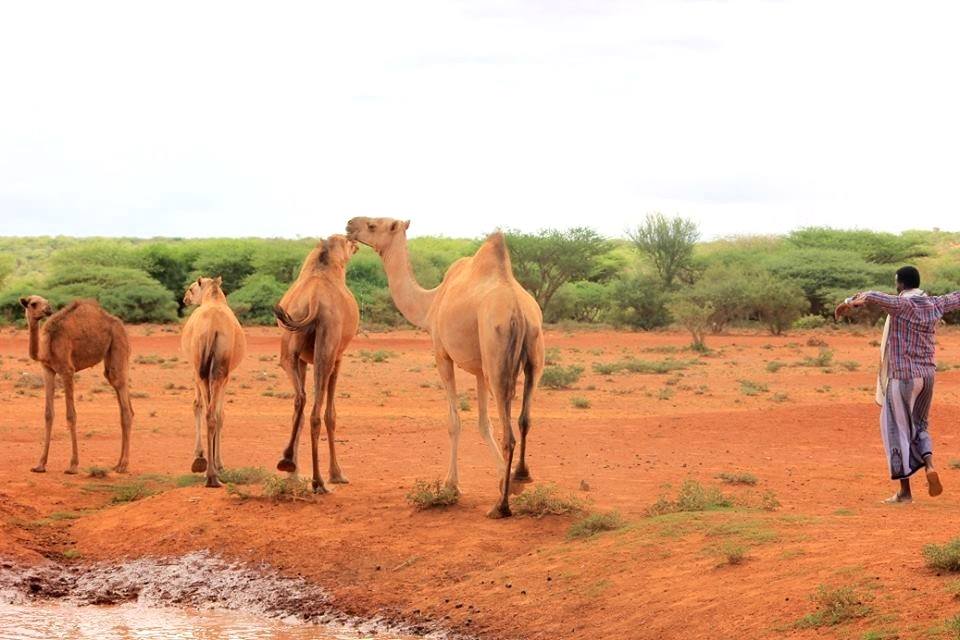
(807, 433)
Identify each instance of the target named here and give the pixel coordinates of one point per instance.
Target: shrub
(254, 301)
(823, 359)
(242, 475)
(945, 557)
(634, 365)
(129, 294)
(691, 497)
(638, 302)
(693, 314)
(595, 523)
(778, 303)
(544, 500)
(97, 472)
(380, 355)
(427, 495)
(751, 388)
(130, 492)
(773, 366)
(835, 606)
(580, 403)
(282, 489)
(809, 321)
(738, 478)
(733, 552)
(557, 377)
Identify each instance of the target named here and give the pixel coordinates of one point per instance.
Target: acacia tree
(545, 261)
(668, 243)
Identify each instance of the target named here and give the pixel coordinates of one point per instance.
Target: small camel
(76, 338)
(480, 319)
(214, 341)
(328, 320)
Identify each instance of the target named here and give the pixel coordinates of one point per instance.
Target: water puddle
(135, 622)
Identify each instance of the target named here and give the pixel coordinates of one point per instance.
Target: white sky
(284, 118)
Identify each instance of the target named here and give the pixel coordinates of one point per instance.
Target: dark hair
(909, 277)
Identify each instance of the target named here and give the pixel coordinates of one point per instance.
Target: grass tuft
(429, 495)
(97, 472)
(557, 377)
(738, 478)
(835, 605)
(945, 557)
(545, 500)
(692, 497)
(579, 402)
(595, 523)
(131, 492)
(281, 489)
(380, 355)
(242, 475)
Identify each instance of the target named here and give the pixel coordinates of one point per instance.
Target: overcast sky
(285, 119)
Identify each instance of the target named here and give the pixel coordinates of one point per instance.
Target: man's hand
(846, 307)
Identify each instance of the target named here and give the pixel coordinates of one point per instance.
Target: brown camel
(71, 340)
(480, 319)
(327, 319)
(214, 341)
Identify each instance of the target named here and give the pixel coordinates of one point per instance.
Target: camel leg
(330, 417)
(218, 460)
(214, 417)
(445, 367)
(117, 377)
(49, 383)
(68, 398)
(483, 396)
(199, 462)
(323, 364)
(296, 370)
(532, 369)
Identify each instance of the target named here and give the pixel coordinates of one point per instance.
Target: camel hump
(494, 255)
(77, 308)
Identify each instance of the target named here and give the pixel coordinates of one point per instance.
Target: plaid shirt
(913, 325)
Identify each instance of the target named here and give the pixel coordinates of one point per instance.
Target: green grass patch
(242, 475)
(380, 355)
(732, 552)
(131, 492)
(188, 480)
(580, 402)
(835, 605)
(823, 359)
(945, 557)
(97, 472)
(543, 500)
(692, 497)
(281, 489)
(429, 495)
(557, 377)
(71, 554)
(775, 365)
(595, 523)
(634, 365)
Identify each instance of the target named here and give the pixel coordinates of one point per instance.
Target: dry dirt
(809, 435)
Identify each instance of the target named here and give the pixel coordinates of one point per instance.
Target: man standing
(907, 370)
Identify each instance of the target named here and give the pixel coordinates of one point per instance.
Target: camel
(481, 320)
(328, 320)
(214, 341)
(76, 338)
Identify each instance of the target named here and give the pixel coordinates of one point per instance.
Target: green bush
(638, 302)
(129, 294)
(557, 377)
(254, 301)
(428, 495)
(945, 557)
(595, 523)
(809, 321)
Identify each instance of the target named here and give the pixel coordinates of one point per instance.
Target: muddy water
(133, 621)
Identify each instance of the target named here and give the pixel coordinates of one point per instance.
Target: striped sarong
(903, 425)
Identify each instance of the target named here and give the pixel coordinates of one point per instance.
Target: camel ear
(394, 226)
(24, 302)
(406, 225)
(324, 257)
(199, 283)
(219, 280)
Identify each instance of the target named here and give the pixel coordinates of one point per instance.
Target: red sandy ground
(818, 451)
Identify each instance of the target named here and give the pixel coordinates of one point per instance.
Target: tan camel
(328, 320)
(71, 340)
(214, 341)
(480, 319)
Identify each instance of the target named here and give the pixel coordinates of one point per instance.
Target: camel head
(196, 289)
(377, 233)
(36, 307)
(336, 250)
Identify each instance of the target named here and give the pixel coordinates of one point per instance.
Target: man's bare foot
(898, 499)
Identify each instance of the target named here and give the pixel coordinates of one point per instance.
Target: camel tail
(286, 322)
(516, 355)
(213, 359)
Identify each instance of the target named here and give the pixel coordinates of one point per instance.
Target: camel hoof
(199, 465)
(72, 471)
(318, 488)
(213, 482)
(522, 475)
(339, 479)
(499, 511)
(288, 465)
(121, 468)
(39, 469)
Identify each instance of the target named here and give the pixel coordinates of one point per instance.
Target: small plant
(428, 495)
(464, 402)
(97, 472)
(634, 365)
(814, 341)
(751, 388)
(188, 480)
(665, 394)
(28, 380)
(242, 475)
(835, 606)
(823, 359)
(237, 492)
(580, 402)
(945, 557)
(738, 478)
(692, 497)
(733, 553)
(849, 365)
(953, 588)
(282, 489)
(544, 500)
(952, 626)
(955, 464)
(779, 396)
(769, 502)
(551, 356)
(557, 377)
(71, 554)
(131, 492)
(775, 365)
(376, 356)
(148, 359)
(595, 523)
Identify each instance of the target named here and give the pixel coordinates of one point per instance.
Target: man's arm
(890, 304)
(951, 301)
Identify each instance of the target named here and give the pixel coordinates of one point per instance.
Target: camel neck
(412, 300)
(213, 295)
(34, 325)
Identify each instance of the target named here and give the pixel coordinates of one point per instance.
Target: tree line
(660, 273)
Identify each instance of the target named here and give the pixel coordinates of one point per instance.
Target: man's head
(907, 278)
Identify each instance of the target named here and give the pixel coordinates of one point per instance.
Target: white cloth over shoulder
(883, 375)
